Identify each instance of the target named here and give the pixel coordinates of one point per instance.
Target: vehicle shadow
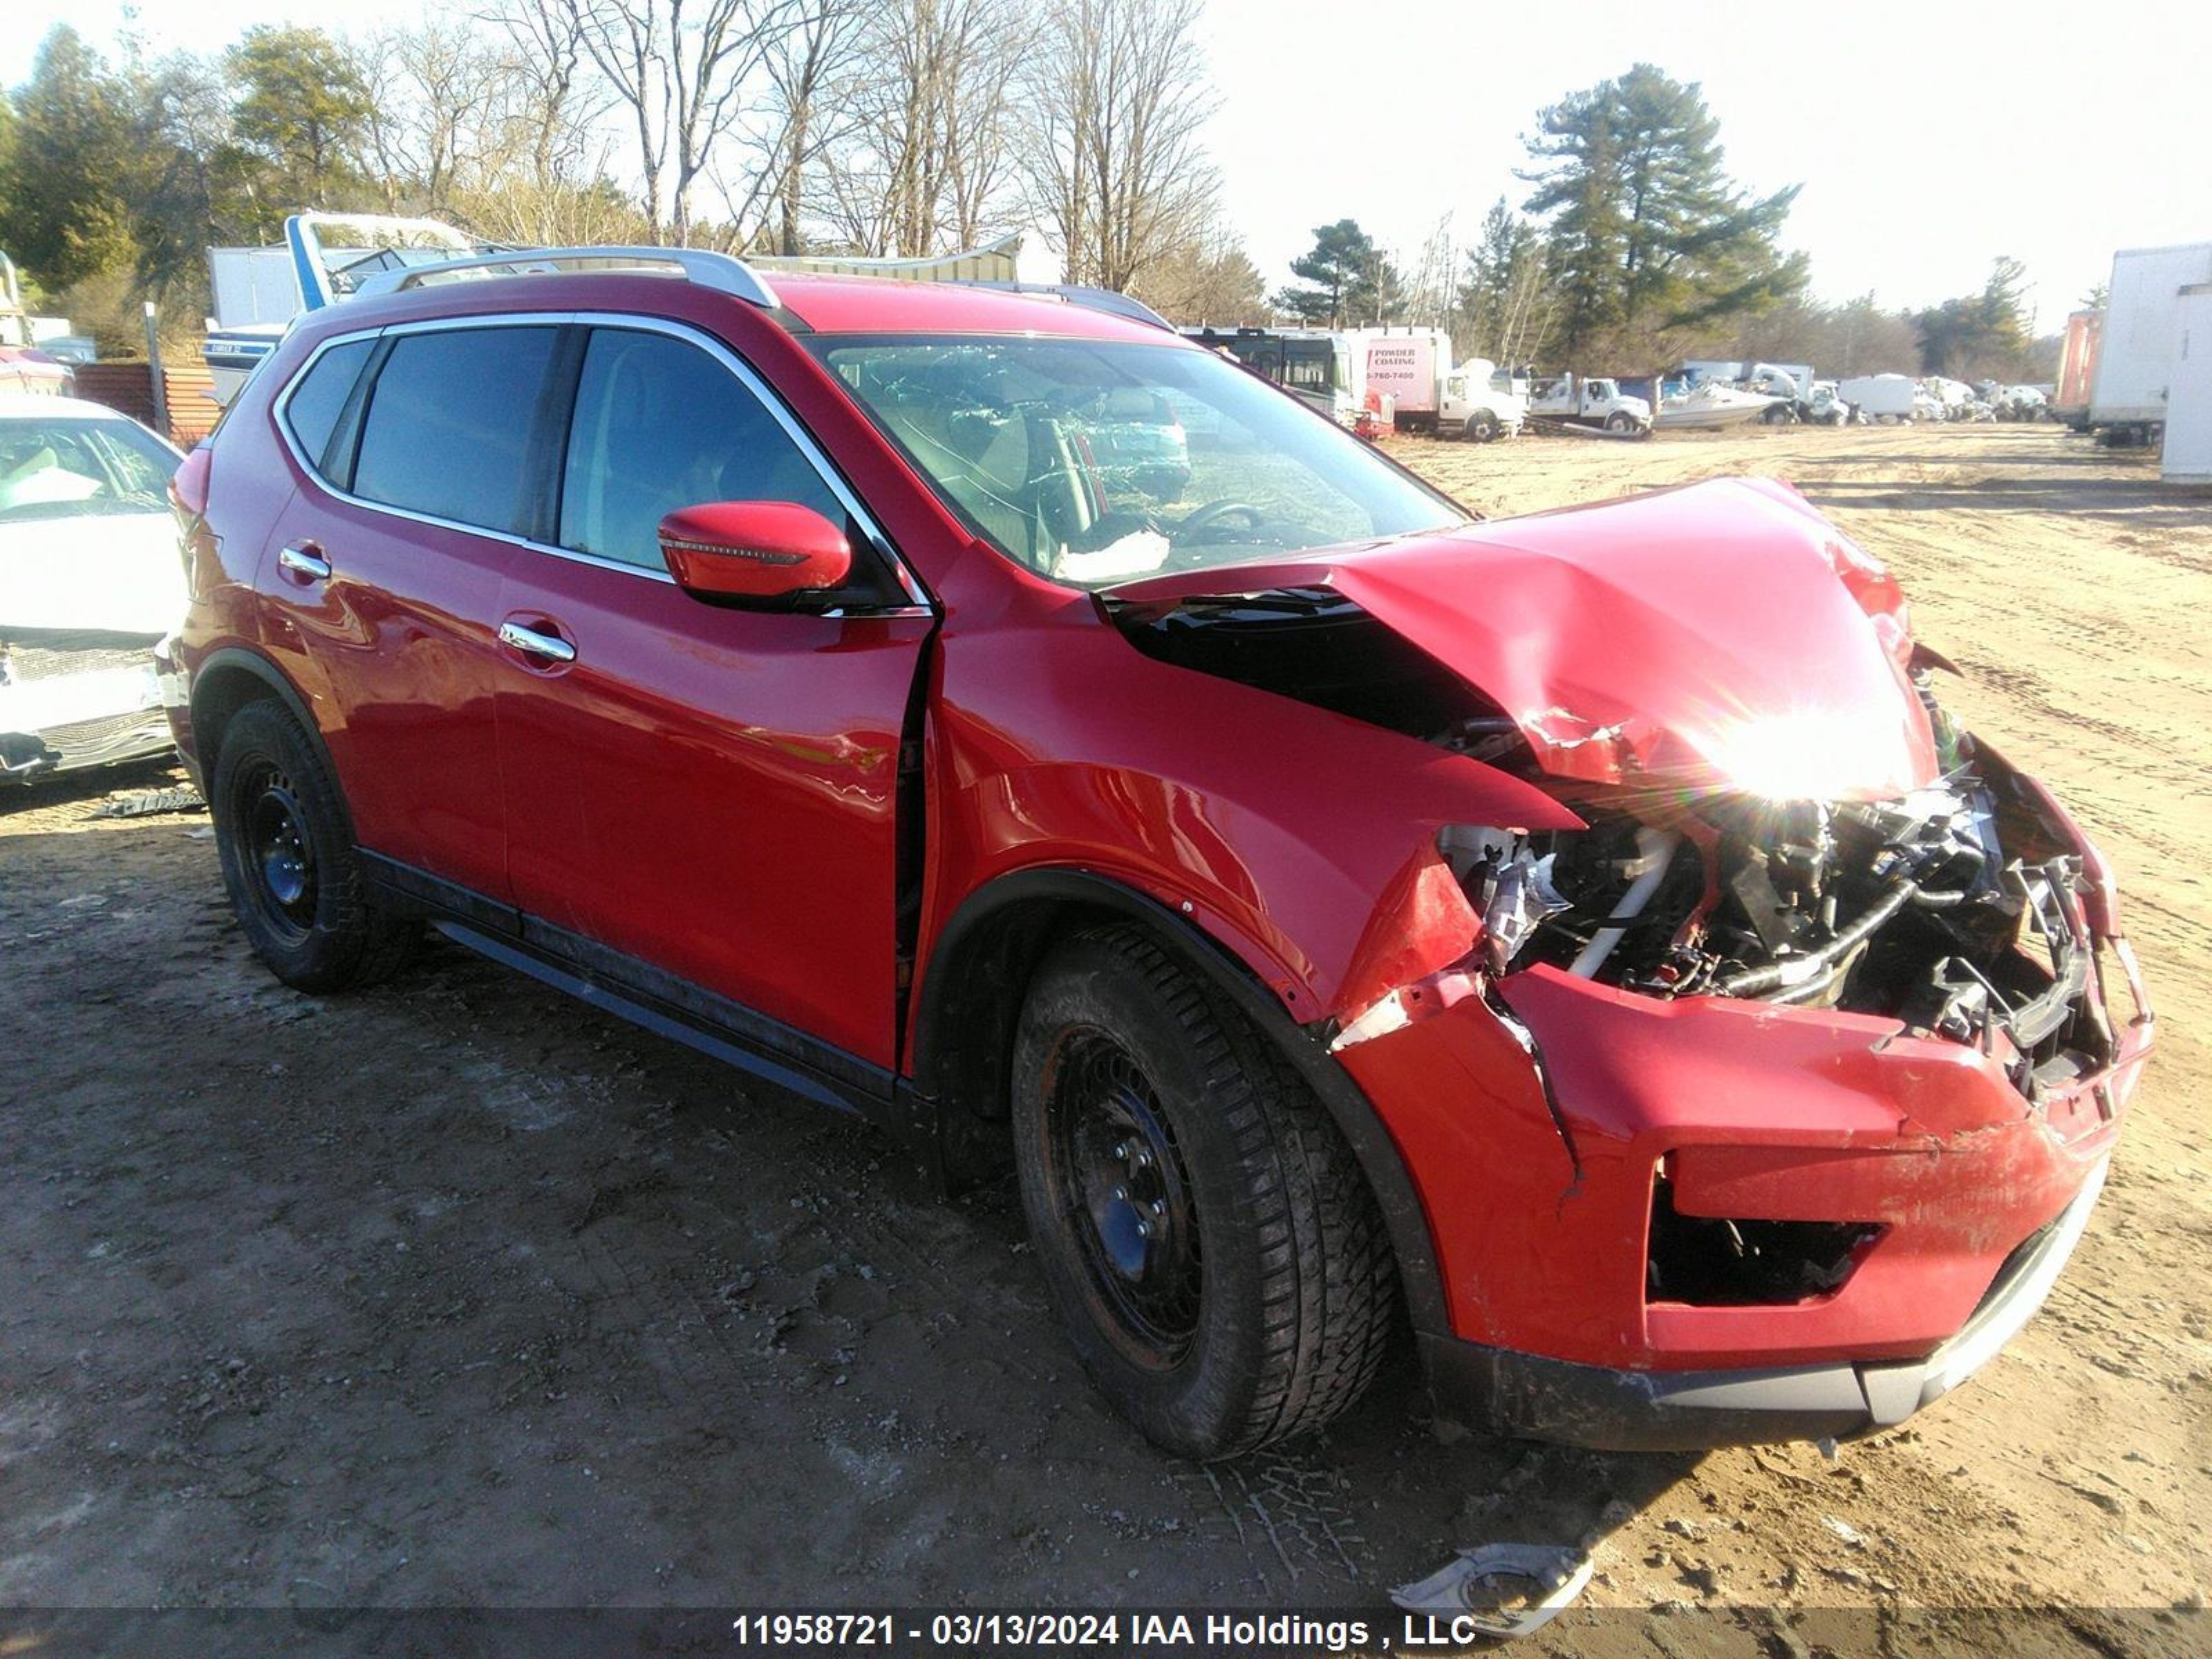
(2141, 502)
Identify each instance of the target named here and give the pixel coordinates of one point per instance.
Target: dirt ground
(455, 1292)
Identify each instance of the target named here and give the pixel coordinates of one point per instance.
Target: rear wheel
(289, 859)
(1208, 1242)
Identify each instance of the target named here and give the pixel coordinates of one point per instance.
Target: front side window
(1094, 462)
(447, 431)
(67, 467)
(659, 425)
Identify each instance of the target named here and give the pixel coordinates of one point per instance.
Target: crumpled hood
(1720, 636)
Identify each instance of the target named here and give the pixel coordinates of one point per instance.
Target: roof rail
(1110, 301)
(722, 272)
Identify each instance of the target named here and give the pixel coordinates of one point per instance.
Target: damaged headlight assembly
(1911, 908)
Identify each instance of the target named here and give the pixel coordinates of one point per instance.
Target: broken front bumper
(94, 717)
(1615, 1410)
(1547, 1133)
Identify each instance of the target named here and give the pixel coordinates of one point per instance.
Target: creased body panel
(1296, 836)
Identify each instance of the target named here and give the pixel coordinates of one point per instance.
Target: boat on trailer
(326, 256)
(1710, 404)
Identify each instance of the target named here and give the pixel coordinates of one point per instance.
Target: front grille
(21, 665)
(1711, 1263)
(80, 735)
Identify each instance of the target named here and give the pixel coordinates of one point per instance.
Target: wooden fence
(129, 387)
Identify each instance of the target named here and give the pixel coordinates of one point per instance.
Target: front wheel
(288, 861)
(1208, 1242)
(1621, 421)
(1481, 428)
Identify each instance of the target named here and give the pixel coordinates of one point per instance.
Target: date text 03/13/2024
(971, 1630)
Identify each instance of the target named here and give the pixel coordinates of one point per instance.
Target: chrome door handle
(534, 644)
(305, 559)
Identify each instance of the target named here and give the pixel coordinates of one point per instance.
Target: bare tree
(1207, 279)
(682, 70)
(1118, 92)
(807, 67)
(1427, 300)
(553, 101)
(927, 153)
(436, 93)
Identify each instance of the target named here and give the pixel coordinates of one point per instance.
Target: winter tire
(289, 863)
(1208, 1239)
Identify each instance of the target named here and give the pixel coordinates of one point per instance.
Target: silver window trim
(919, 602)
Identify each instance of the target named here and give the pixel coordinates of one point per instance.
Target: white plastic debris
(1502, 1589)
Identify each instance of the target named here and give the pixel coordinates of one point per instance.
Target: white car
(90, 580)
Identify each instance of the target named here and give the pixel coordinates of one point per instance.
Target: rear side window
(319, 399)
(447, 432)
(659, 424)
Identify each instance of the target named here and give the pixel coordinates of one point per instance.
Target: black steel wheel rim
(1121, 1196)
(278, 850)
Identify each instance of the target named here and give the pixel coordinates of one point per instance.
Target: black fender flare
(227, 660)
(967, 954)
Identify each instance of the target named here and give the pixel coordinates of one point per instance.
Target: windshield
(64, 467)
(1094, 462)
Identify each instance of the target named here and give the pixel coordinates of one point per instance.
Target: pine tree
(1349, 283)
(64, 213)
(1983, 334)
(1502, 270)
(1648, 238)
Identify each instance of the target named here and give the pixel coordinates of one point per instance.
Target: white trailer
(2142, 328)
(2188, 453)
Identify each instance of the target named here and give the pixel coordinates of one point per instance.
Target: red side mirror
(753, 549)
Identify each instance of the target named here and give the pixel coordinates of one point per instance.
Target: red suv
(1584, 931)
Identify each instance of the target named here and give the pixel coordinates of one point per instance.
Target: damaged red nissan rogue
(1585, 932)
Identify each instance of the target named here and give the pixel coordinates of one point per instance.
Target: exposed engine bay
(1953, 910)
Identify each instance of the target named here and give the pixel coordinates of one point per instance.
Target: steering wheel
(1201, 517)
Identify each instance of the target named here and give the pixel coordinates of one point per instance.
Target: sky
(1929, 137)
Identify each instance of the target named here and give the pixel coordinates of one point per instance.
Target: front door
(712, 790)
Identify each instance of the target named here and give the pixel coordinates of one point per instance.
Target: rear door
(711, 791)
(422, 484)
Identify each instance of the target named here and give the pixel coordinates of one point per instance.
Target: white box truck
(1405, 365)
(1881, 397)
(2143, 331)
